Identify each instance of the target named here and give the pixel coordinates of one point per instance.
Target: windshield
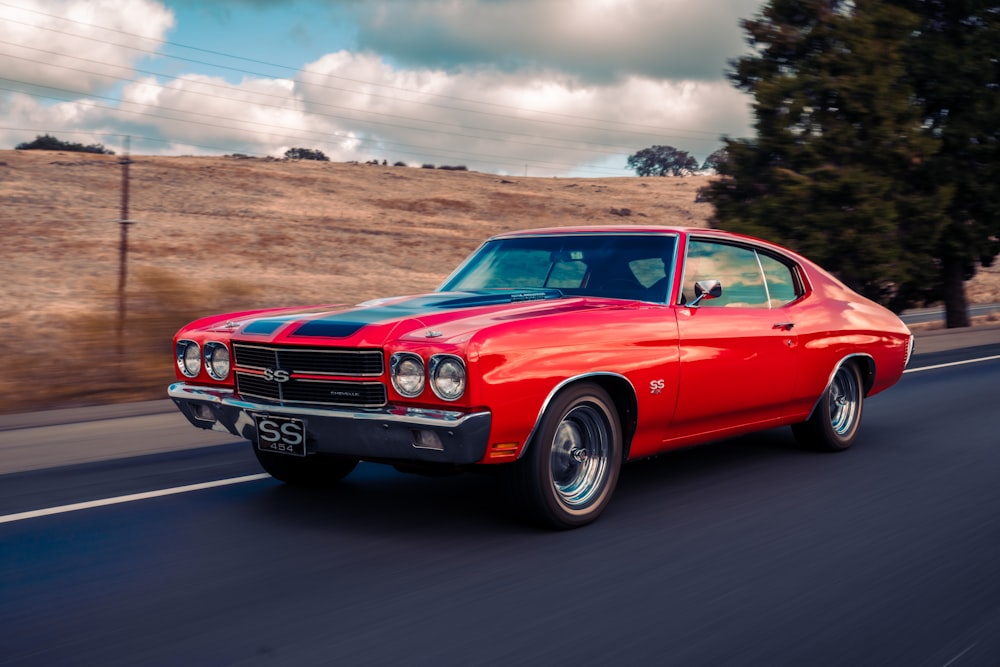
(623, 266)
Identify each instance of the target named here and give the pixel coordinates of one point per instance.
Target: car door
(738, 350)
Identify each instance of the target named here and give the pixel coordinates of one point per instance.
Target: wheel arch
(866, 367)
(619, 389)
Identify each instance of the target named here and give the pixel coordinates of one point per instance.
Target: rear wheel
(570, 470)
(833, 426)
(315, 470)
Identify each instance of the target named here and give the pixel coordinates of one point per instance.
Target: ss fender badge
(656, 386)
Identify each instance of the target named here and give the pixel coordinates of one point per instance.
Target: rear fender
(865, 363)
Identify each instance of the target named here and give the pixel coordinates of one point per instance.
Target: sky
(521, 87)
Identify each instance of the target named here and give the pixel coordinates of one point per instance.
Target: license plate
(281, 435)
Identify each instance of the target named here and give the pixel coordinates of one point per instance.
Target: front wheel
(833, 426)
(315, 470)
(570, 470)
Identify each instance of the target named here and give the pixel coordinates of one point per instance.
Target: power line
(587, 146)
(227, 125)
(503, 162)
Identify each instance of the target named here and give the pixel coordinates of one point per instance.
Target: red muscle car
(552, 356)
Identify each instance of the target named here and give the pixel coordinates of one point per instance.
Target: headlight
(188, 358)
(407, 372)
(447, 377)
(217, 360)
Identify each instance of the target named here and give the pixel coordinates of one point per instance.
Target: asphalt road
(746, 552)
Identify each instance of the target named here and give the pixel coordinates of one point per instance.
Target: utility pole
(124, 222)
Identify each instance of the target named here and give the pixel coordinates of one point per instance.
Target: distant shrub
(719, 156)
(456, 168)
(45, 142)
(305, 154)
(399, 164)
(426, 166)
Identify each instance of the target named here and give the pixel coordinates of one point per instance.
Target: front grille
(296, 362)
(313, 392)
(359, 363)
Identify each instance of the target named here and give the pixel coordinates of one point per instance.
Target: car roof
(593, 229)
(627, 229)
(702, 232)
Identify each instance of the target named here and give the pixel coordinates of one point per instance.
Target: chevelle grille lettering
(269, 372)
(313, 392)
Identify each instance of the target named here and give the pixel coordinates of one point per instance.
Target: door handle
(784, 326)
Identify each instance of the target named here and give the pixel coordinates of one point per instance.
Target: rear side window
(750, 279)
(782, 287)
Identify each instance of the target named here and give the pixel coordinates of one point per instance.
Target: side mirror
(706, 289)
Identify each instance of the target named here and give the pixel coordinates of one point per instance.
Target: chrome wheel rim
(579, 458)
(845, 398)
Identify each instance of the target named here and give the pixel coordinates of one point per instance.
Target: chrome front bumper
(384, 434)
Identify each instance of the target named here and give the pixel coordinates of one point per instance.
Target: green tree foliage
(848, 165)
(954, 66)
(662, 161)
(45, 142)
(713, 160)
(305, 154)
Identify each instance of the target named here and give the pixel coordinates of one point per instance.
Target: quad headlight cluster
(445, 373)
(215, 358)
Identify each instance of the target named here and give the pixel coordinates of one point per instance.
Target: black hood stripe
(266, 326)
(348, 323)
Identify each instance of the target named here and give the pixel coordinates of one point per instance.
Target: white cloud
(198, 108)
(58, 44)
(594, 40)
(497, 119)
(492, 84)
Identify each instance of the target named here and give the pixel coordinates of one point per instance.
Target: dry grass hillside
(223, 233)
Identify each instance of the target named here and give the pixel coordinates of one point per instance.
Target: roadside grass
(86, 360)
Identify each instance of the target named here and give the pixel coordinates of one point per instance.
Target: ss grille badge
(276, 375)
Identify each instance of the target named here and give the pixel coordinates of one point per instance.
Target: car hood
(443, 316)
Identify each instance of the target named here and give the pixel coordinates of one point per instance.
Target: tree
(954, 66)
(45, 142)
(713, 160)
(841, 168)
(661, 161)
(305, 154)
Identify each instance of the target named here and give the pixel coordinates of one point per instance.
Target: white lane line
(21, 516)
(952, 661)
(953, 363)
